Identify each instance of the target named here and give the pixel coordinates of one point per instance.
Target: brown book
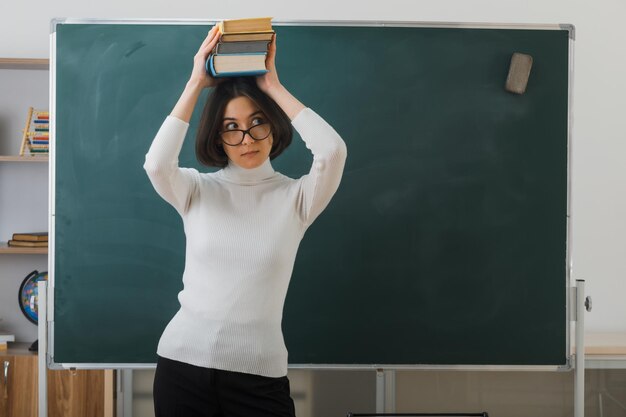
(240, 37)
(239, 63)
(31, 237)
(27, 244)
(253, 24)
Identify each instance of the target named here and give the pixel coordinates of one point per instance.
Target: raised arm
(329, 150)
(329, 158)
(270, 85)
(199, 79)
(177, 185)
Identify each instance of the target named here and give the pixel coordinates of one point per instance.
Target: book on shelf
(31, 236)
(26, 244)
(242, 47)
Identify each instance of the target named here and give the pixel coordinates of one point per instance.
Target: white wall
(599, 93)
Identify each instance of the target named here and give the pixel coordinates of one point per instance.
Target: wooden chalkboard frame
(50, 324)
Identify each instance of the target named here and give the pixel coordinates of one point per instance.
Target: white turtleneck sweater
(243, 229)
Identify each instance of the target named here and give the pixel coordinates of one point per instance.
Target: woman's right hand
(199, 75)
(199, 79)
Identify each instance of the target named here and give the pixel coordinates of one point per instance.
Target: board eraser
(519, 71)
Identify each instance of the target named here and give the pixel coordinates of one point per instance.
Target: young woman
(223, 353)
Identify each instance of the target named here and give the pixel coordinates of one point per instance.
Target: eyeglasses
(234, 137)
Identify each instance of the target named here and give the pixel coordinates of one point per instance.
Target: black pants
(183, 390)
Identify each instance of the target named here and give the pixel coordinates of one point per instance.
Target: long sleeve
(175, 185)
(329, 157)
(242, 230)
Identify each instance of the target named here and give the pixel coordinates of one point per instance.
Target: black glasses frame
(243, 134)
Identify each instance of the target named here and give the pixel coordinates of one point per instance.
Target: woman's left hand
(269, 81)
(270, 85)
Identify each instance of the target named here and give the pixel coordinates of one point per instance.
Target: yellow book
(31, 236)
(27, 244)
(243, 37)
(249, 25)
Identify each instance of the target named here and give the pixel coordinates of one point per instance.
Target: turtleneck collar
(237, 174)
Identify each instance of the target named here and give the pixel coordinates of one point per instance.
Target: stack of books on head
(242, 48)
(30, 240)
(38, 137)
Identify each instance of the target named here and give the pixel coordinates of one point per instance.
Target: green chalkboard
(446, 243)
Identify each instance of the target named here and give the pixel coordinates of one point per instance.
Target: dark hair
(209, 149)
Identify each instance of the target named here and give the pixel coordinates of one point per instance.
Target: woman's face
(242, 113)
